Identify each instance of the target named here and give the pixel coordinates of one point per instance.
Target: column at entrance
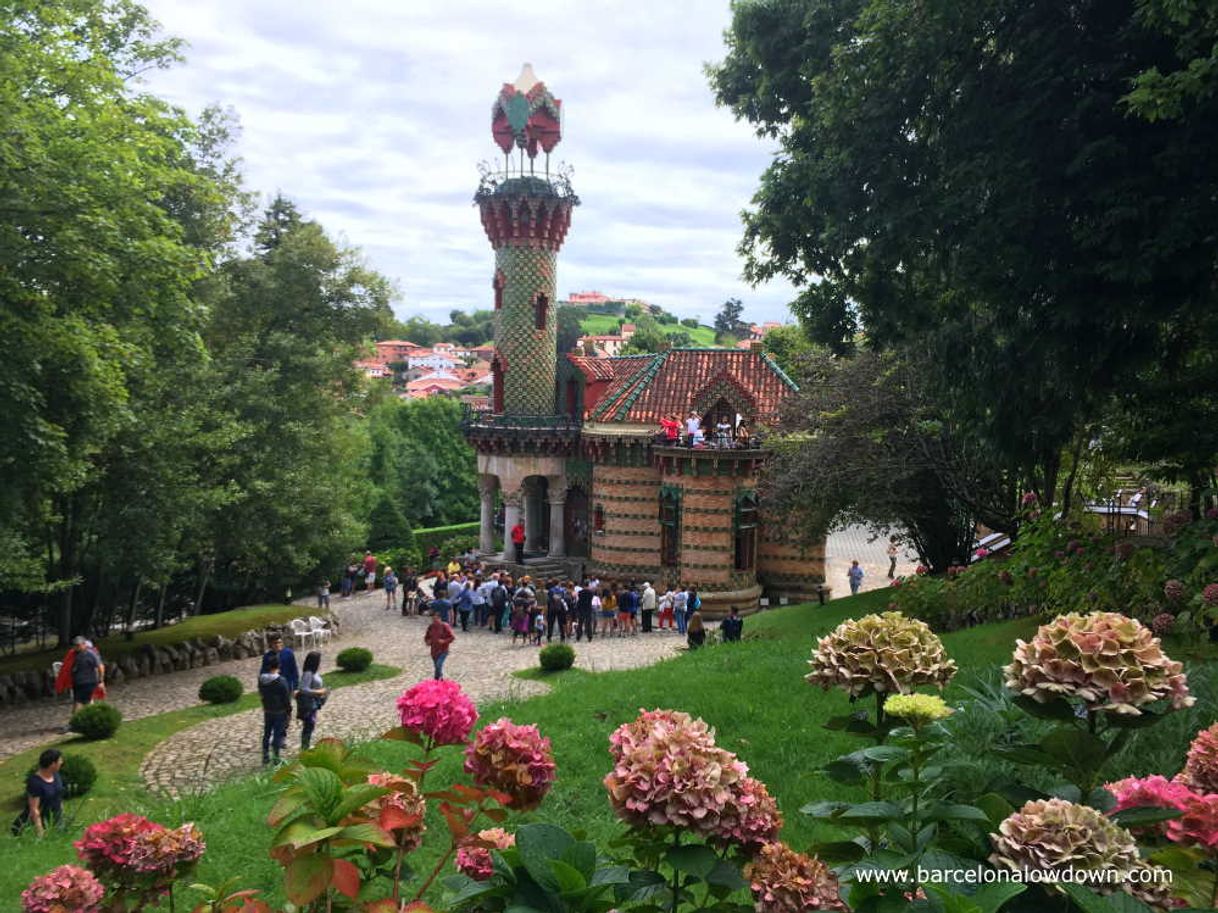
(511, 516)
(557, 499)
(486, 530)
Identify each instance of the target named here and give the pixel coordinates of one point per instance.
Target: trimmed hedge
(354, 659)
(424, 539)
(96, 721)
(556, 657)
(77, 772)
(221, 689)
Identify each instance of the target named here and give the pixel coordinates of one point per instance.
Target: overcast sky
(373, 115)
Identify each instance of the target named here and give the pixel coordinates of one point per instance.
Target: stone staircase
(541, 567)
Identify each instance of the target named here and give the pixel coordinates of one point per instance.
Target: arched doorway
(575, 522)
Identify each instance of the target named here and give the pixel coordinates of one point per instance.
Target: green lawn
(227, 624)
(606, 324)
(752, 692)
(118, 759)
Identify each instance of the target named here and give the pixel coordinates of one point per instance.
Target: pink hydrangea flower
(1211, 513)
(1198, 826)
(1154, 791)
(67, 889)
(1201, 766)
(750, 818)
(784, 881)
(982, 553)
(439, 711)
(1174, 590)
(474, 858)
(166, 852)
(516, 760)
(1210, 594)
(1029, 498)
(106, 846)
(668, 772)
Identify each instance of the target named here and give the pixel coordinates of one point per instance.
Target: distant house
(374, 369)
(389, 351)
(433, 358)
(606, 345)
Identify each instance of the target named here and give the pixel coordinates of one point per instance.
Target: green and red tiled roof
(645, 388)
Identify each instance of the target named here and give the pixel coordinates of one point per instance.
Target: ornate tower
(523, 445)
(526, 213)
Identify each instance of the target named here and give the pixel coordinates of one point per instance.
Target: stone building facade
(571, 445)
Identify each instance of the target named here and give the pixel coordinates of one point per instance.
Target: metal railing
(515, 422)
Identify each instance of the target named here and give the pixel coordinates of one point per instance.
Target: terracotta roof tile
(645, 388)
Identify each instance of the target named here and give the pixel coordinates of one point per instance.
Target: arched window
(497, 284)
(598, 519)
(541, 307)
(746, 531)
(670, 525)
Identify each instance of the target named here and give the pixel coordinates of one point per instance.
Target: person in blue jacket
(287, 662)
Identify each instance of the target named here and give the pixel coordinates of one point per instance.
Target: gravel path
(481, 662)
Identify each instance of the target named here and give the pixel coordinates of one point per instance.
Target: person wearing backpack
(276, 699)
(556, 612)
(500, 602)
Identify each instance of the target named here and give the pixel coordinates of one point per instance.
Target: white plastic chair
(317, 627)
(55, 669)
(301, 632)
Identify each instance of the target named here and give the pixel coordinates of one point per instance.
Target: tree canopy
(1024, 189)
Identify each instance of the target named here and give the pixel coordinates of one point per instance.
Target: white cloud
(373, 115)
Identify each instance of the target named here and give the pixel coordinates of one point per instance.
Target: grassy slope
(606, 324)
(118, 759)
(227, 624)
(751, 692)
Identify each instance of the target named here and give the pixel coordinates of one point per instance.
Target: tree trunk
(205, 566)
(160, 607)
(1068, 487)
(135, 599)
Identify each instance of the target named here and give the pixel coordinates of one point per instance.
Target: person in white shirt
(693, 427)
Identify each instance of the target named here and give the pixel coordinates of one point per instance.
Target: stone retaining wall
(30, 685)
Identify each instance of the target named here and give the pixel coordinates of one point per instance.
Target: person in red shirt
(369, 570)
(518, 541)
(670, 428)
(439, 636)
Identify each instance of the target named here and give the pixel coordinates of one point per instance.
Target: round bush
(96, 721)
(354, 659)
(556, 657)
(221, 689)
(78, 775)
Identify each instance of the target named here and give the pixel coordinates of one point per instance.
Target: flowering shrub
(1053, 835)
(106, 846)
(474, 858)
(1209, 595)
(880, 653)
(165, 852)
(1154, 791)
(784, 881)
(437, 711)
(1201, 765)
(1108, 661)
(917, 708)
(668, 771)
(400, 811)
(515, 760)
(749, 818)
(1173, 590)
(67, 889)
(1162, 624)
(1198, 823)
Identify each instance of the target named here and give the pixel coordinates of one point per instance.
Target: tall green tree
(284, 330)
(861, 442)
(729, 322)
(111, 206)
(968, 178)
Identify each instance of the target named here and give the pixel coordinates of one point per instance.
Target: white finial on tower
(527, 78)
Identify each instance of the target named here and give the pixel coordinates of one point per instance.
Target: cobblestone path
(481, 662)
